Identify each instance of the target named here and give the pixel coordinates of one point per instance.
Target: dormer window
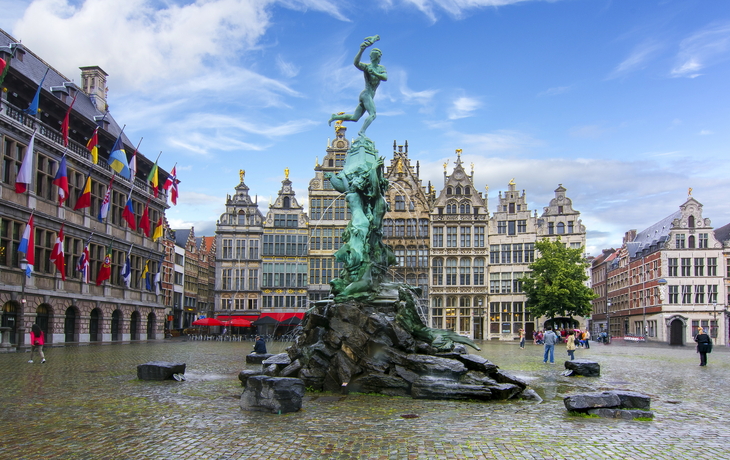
(691, 222)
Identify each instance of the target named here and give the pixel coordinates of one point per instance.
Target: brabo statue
(374, 73)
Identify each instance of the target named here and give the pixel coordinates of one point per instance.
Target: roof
(722, 234)
(653, 235)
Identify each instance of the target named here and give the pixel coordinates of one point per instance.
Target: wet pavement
(86, 403)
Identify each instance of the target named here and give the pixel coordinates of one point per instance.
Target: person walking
(522, 338)
(549, 339)
(587, 339)
(704, 345)
(571, 345)
(37, 339)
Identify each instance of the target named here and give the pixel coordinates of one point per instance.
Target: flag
(57, 256)
(133, 166)
(84, 200)
(104, 208)
(158, 275)
(118, 159)
(33, 107)
(153, 179)
(128, 213)
(144, 221)
(4, 68)
(27, 246)
(61, 180)
(158, 230)
(93, 146)
(83, 265)
(105, 272)
(64, 125)
(171, 184)
(25, 173)
(127, 269)
(145, 274)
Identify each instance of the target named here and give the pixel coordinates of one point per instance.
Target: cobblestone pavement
(86, 403)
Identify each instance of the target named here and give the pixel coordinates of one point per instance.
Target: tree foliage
(555, 286)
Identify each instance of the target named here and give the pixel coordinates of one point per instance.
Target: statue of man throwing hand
(374, 73)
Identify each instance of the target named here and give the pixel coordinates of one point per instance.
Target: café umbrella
(207, 322)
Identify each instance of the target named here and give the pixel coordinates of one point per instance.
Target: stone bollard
(583, 367)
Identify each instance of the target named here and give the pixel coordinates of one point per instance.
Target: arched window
(691, 222)
(458, 190)
(465, 272)
(465, 302)
(467, 190)
(561, 228)
(450, 302)
(287, 202)
(691, 242)
(451, 272)
(449, 191)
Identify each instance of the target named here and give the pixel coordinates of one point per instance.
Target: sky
(623, 102)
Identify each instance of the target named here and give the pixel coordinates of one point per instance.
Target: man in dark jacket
(260, 346)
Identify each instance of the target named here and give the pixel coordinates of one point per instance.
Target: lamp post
(608, 320)
(20, 339)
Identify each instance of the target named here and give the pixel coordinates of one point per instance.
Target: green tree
(555, 286)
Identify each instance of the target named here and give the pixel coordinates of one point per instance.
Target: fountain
(368, 337)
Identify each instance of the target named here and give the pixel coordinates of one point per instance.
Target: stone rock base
(277, 395)
(611, 404)
(257, 358)
(583, 367)
(159, 370)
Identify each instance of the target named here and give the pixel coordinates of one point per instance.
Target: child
(37, 339)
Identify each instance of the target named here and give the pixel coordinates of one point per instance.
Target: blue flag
(33, 107)
(118, 159)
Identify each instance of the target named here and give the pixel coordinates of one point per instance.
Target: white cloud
(424, 98)
(705, 132)
(455, 8)
(463, 107)
(702, 49)
(503, 140)
(637, 59)
(288, 69)
(554, 91)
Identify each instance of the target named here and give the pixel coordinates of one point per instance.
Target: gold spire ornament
(286, 173)
(241, 174)
(512, 181)
(689, 192)
(446, 163)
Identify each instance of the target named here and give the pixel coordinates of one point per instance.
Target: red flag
(105, 271)
(128, 213)
(83, 265)
(64, 125)
(84, 200)
(57, 256)
(144, 221)
(171, 185)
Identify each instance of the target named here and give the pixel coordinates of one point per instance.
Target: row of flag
(27, 247)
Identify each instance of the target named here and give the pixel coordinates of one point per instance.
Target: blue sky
(625, 103)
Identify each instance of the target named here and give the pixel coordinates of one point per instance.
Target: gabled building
(239, 233)
(668, 280)
(405, 225)
(458, 228)
(284, 257)
(328, 217)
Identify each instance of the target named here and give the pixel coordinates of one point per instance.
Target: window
(226, 279)
(511, 207)
(561, 228)
(699, 266)
(494, 283)
(253, 279)
(686, 266)
(493, 254)
(227, 249)
(686, 294)
(712, 266)
(423, 228)
(451, 241)
(551, 228)
(511, 229)
(673, 294)
(691, 242)
(673, 266)
(411, 258)
(400, 254)
(240, 249)
(529, 253)
(400, 228)
(506, 253)
(506, 283)
(45, 172)
(465, 237)
(387, 228)
(704, 238)
(479, 271)
(521, 226)
(411, 228)
(699, 294)
(438, 272)
(502, 227)
(479, 237)
(451, 272)
(570, 226)
(712, 293)
(13, 154)
(465, 272)
(464, 208)
(253, 249)
(438, 237)
(516, 283)
(400, 203)
(679, 241)
(423, 258)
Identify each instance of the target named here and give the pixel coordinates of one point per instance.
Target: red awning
(284, 316)
(230, 317)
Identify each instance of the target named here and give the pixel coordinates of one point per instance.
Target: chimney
(93, 83)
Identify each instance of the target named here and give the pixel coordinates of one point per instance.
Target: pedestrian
(550, 339)
(540, 337)
(37, 339)
(522, 338)
(534, 337)
(571, 345)
(704, 345)
(587, 339)
(260, 346)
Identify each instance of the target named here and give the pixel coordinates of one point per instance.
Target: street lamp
(21, 314)
(608, 321)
